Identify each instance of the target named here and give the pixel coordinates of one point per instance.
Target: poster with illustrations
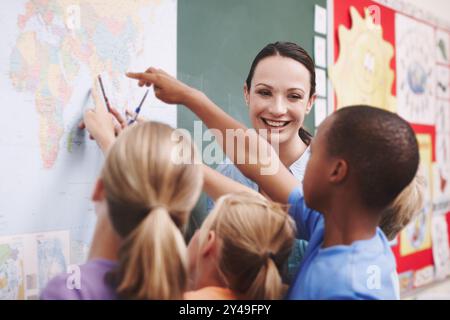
(399, 60)
(442, 47)
(415, 70)
(28, 261)
(441, 168)
(441, 251)
(442, 82)
(362, 72)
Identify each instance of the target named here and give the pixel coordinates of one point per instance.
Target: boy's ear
(311, 103)
(340, 171)
(210, 244)
(246, 94)
(99, 191)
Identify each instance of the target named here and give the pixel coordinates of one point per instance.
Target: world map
(51, 54)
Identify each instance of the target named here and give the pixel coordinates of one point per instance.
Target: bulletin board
(389, 56)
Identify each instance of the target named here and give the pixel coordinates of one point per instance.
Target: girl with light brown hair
(143, 199)
(405, 208)
(240, 250)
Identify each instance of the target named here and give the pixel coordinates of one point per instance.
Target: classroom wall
(439, 8)
(417, 37)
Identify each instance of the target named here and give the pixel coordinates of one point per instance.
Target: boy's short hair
(404, 208)
(380, 148)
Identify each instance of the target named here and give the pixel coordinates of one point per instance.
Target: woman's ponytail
(305, 136)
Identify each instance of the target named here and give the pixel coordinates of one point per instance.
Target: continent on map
(52, 48)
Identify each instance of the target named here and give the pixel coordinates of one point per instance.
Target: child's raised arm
(265, 168)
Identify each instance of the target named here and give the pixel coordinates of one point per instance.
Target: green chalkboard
(217, 41)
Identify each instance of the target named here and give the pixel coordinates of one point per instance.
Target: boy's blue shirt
(366, 269)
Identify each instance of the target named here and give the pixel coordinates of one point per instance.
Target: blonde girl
(143, 199)
(241, 250)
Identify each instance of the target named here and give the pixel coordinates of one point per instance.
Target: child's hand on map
(131, 115)
(102, 125)
(167, 88)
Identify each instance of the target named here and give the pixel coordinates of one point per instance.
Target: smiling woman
(279, 92)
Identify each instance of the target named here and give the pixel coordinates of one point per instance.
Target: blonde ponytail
(267, 284)
(146, 270)
(150, 193)
(256, 239)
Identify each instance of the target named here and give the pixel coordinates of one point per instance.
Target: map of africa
(51, 53)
